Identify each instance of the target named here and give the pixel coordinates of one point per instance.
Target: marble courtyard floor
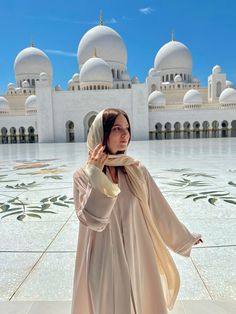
(39, 228)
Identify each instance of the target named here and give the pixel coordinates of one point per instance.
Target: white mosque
(170, 104)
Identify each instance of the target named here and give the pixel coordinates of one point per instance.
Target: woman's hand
(97, 157)
(200, 240)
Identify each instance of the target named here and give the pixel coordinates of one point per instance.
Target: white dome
(96, 70)
(4, 104)
(229, 84)
(43, 77)
(152, 72)
(31, 101)
(157, 99)
(75, 78)
(195, 80)
(70, 82)
(173, 55)
(107, 42)
(178, 78)
(228, 96)
(32, 61)
(192, 97)
(58, 88)
(11, 86)
(216, 69)
(25, 84)
(135, 80)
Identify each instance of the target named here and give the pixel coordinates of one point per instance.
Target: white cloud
(61, 52)
(146, 11)
(111, 21)
(126, 18)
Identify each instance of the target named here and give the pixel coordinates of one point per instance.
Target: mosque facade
(170, 104)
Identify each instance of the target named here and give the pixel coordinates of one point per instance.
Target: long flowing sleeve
(175, 235)
(94, 197)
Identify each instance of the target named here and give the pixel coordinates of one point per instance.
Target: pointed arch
(70, 136)
(88, 120)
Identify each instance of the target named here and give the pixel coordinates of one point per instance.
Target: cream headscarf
(136, 181)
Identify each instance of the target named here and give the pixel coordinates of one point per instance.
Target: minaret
(45, 113)
(216, 84)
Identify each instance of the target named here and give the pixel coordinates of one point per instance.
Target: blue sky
(206, 27)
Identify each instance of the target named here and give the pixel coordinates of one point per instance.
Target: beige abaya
(116, 270)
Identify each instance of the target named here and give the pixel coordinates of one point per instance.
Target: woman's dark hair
(108, 118)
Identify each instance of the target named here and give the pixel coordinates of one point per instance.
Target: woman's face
(118, 139)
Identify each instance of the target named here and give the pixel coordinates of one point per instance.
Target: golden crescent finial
(172, 36)
(100, 18)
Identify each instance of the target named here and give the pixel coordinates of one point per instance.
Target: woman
(123, 265)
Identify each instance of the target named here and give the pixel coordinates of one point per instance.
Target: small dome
(157, 99)
(216, 69)
(173, 55)
(18, 90)
(228, 96)
(177, 78)
(135, 80)
(152, 72)
(4, 104)
(192, 97)
(31, 101)
(229, 84)
(107, 42)
(75, 78)
(58, 88)
(96, 70)
(43, 77)
(25, 84)
(70, 82)
(11, 86)
(195, 80)
(32, 61)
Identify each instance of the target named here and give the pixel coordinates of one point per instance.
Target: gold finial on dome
(172, 36)
(32, 43)
(95, 53)
(100, 18)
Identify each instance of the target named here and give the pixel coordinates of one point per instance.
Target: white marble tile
(27, 236)
(74, 217)
(228, 306)
(208, 307)
(15, 267)
(15, 307)
(213, 231)
(64, 307)
(216, 267)
(39, 307)
(58, 209)
(191, 285)
(51, 279)
(9, 195)
(200, 209)
(67, 238)
(178, 308)
(216, 223)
